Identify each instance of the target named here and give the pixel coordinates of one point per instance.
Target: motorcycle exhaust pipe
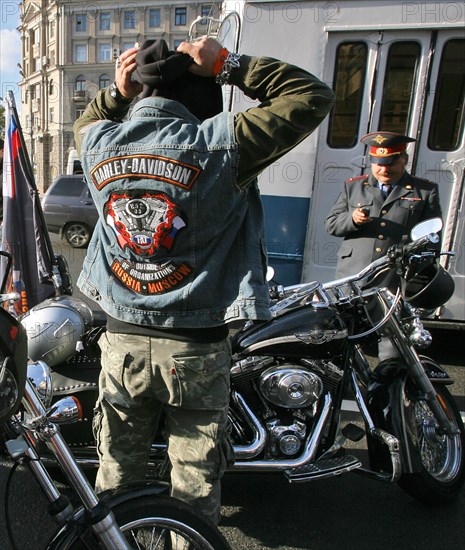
(311, 446)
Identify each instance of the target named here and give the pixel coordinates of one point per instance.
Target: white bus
(397, 66)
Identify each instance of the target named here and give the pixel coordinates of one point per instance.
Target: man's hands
(360, 217)
(204, 52)
(125, 67)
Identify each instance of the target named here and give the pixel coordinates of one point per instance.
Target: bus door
(383, 81)
(440, 154)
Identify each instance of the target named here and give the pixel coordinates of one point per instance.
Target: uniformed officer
(378, 210)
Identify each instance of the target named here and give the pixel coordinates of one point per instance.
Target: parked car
(69, 209)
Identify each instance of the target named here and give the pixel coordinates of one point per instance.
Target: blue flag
(24, 233)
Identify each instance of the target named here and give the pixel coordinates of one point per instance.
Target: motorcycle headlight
(8, 391)
(39, 374)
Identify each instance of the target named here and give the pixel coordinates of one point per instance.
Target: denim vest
(177, 244)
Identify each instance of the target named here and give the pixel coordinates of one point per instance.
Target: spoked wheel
(442, 474)
(158, 522)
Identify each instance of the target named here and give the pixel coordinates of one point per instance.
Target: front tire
(156, 522)
(442, 472)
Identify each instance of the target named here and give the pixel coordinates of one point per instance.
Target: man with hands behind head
(179, 251)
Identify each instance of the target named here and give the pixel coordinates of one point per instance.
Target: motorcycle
(135, 516)
(290, 375)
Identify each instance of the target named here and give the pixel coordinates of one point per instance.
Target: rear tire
(442, 473)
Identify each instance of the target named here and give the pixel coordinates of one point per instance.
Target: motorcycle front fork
(394, 330)
(98, 514)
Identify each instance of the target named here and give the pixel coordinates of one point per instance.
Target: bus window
(398, 89)
(349, 80)
(448, 110)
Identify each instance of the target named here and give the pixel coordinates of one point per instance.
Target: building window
(51, 115)
(180, 17)
(104, 81)
(104, 52)
(52, 29)
(81, 22)
(205, 11)
(79, 113)
(105, 21)
(129, 19)
(127, 45)
(80, 84)
(80, 53)
(154, 18)
(176, 43)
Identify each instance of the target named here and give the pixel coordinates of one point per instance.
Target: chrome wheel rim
(440, 454)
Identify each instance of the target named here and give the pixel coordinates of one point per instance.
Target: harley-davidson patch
(149, 279)
(144, 223)
(145, 166)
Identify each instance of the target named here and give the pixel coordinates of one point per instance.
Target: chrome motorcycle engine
(290, 386)
(285, 399)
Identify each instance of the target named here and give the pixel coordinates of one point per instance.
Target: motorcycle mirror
(40, 377)
(269, 273)
(433, 225)
(66, 411)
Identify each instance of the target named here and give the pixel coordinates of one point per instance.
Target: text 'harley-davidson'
(290, 375)
(136, 516)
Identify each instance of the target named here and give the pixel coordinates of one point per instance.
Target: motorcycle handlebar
(421, 244)
(397, 256)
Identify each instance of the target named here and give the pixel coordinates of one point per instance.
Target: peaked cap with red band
(386, 147)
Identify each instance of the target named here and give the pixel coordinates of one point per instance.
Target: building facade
(68, 52)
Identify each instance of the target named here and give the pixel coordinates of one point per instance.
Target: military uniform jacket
(411, 201)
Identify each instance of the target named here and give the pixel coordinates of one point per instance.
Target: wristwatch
(116, 94)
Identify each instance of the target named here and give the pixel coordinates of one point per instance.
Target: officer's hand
(125, 66)
(204, 52)
(359, 217)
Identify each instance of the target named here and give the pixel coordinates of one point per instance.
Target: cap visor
(384, 161)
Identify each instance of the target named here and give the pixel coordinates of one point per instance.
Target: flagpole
(55, 275)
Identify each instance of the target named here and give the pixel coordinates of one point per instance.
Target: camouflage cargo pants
(141, 375)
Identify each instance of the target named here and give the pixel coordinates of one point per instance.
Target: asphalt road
(264, 511)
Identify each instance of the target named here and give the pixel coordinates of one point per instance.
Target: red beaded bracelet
(220, 61)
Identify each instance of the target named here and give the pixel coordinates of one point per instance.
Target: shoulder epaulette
(421, 180)
(357, 178)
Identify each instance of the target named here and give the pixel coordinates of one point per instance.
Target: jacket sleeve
(102, 107)
(339, 221)
(293, 103)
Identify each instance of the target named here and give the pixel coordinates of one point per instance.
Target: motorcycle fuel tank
(305, 332)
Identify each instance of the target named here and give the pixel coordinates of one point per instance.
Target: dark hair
(2, 143)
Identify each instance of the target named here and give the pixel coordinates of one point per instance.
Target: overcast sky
(10, 48)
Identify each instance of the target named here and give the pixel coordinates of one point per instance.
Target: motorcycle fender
(70, 531)
(435, 372)
(385, 402)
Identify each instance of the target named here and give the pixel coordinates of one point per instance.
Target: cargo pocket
(203, 380)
